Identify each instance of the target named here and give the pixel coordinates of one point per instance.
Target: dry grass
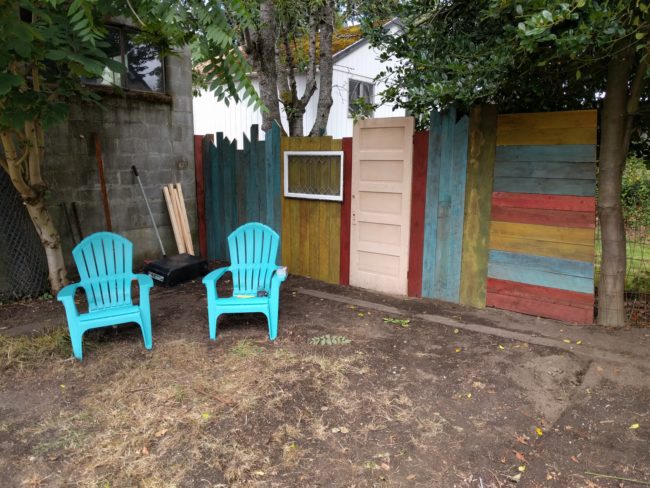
(16, 352)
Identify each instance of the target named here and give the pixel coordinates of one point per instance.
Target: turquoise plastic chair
(256, 281)
(104, 261)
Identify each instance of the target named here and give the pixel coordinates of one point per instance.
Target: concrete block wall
(152, 131)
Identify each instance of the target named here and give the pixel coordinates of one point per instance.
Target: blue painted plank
(451, 289)
(570, 152)
(233, 203)
(546, 186)
(543, 169)
(522, 274)
(431, 209)
(272, 171)
(446, 193)
(566, 267)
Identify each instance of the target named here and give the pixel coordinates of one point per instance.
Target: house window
(361, 95)
(315, 175)
(144, 66)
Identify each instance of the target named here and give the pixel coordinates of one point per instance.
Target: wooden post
(174, 221)
(200, 194)
(102, 181)
(344, 273)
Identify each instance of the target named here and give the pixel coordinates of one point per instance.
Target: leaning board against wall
(541, 251)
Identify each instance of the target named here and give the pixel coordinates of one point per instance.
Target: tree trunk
(265, 53)
(611, 287)
(296, 125)
(326, 70)
(51, 243)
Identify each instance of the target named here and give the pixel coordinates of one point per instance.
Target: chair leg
(145, 326)
(213, 317)
(76, 338)
(273, 323)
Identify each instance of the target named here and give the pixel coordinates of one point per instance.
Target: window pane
(144, 66)
(113, 51)
(315, 174)
(360, 95)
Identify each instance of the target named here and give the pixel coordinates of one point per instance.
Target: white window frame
(312, 196)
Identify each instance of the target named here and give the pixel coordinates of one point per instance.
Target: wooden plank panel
(549, 202)
(559, 218)
(431, 213)
(334, 231)
(546, 294)
(548, 136)
(529, 276)
(476, 227)
(418, 201)
(200, 194)
(543, 169)
(221, 247)
(565, 267)
(547, 186)
(547, 233)
(577, 153)
(346, 212)
(542, 248)
(540, 308)
(542, 120)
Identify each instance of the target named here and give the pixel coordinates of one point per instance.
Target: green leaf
(578, 74)
(9, 81)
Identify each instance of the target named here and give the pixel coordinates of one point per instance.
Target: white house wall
(211, 116)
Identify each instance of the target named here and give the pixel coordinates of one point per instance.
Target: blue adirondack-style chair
(104, 261)
(256, 281)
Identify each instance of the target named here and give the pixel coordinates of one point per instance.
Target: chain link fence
(23, 267)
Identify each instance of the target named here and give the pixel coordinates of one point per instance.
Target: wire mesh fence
(23, 268)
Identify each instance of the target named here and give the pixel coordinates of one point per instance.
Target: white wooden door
(382, 167)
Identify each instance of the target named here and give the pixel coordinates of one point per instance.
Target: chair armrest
(144, 281)
(66, 296)
(276, 281)
(213, 276)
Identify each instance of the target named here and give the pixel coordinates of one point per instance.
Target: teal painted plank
(233, 203)
(250, 153)
(541, 169)
(210, 178)
(431, 209)
(446, 194)
(272, 170)
(260, 175)
(240, 179)
(565, 267)
(569, 152)
(522, 274)
(451, 288)
(546, 186)
(220, 214)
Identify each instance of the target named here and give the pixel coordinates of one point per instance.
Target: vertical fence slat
(478, 198)
(346, 211)
(431, 212)
(418, 199)
(219, 227)
(200, 193)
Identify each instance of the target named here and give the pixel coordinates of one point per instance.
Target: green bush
(635, 193)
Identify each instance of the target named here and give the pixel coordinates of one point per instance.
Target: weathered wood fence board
(311, 229)
(445, 202)
(240, 186)
(418, 208)
(476, 226)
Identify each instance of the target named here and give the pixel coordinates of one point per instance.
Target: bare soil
(416, 405)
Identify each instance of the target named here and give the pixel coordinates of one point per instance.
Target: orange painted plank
(549, 202)
(559, 218)
(564, 313)
(556, 120)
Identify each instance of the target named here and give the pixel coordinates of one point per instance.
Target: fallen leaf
(469, 395)
(458, 349)
(634, 426)
(539, 432)
(516, 477)
(344, 430)
(145, 451)
(335, 430)
(521, 468)
(62, 386)
(160, 433)
(456, 331)
(384, 466)
(205, 415)
(522, 439)
(520, 456)
(501, 347)
(567, 341)
(574, 459)
(578, 342)
(410, 477)
(361, 314)
(258, 473)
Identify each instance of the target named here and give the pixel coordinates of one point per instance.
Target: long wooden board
(476, 226)
(418, 206)
(547, 186)
(548, 136)
(549, 202)
(549, 120)
(546, 233)
(559, 218)
(570, 152)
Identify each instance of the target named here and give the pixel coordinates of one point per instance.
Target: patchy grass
(17, 352)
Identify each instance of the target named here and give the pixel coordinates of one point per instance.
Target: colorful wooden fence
(239, 186)
(543, 215)
(311, 229)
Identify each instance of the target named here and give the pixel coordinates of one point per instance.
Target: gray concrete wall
(152, 131)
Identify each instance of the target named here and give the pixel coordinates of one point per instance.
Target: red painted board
(200, 194)
(544, 293)
(564, 313)
(540, 216)
(418, 204)
(346, 211)
(548, 202)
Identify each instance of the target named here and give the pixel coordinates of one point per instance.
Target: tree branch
(14, 164)
(634, 96)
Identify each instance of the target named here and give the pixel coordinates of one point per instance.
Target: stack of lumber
(178, 216)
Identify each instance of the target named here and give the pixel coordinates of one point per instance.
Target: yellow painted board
(542, 248)
(545, 233)
(548, 120)
(478, 205)
(551, 136)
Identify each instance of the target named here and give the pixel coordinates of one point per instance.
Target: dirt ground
(385, 404)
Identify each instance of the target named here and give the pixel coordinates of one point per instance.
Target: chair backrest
(253, 249)
(105, 264)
